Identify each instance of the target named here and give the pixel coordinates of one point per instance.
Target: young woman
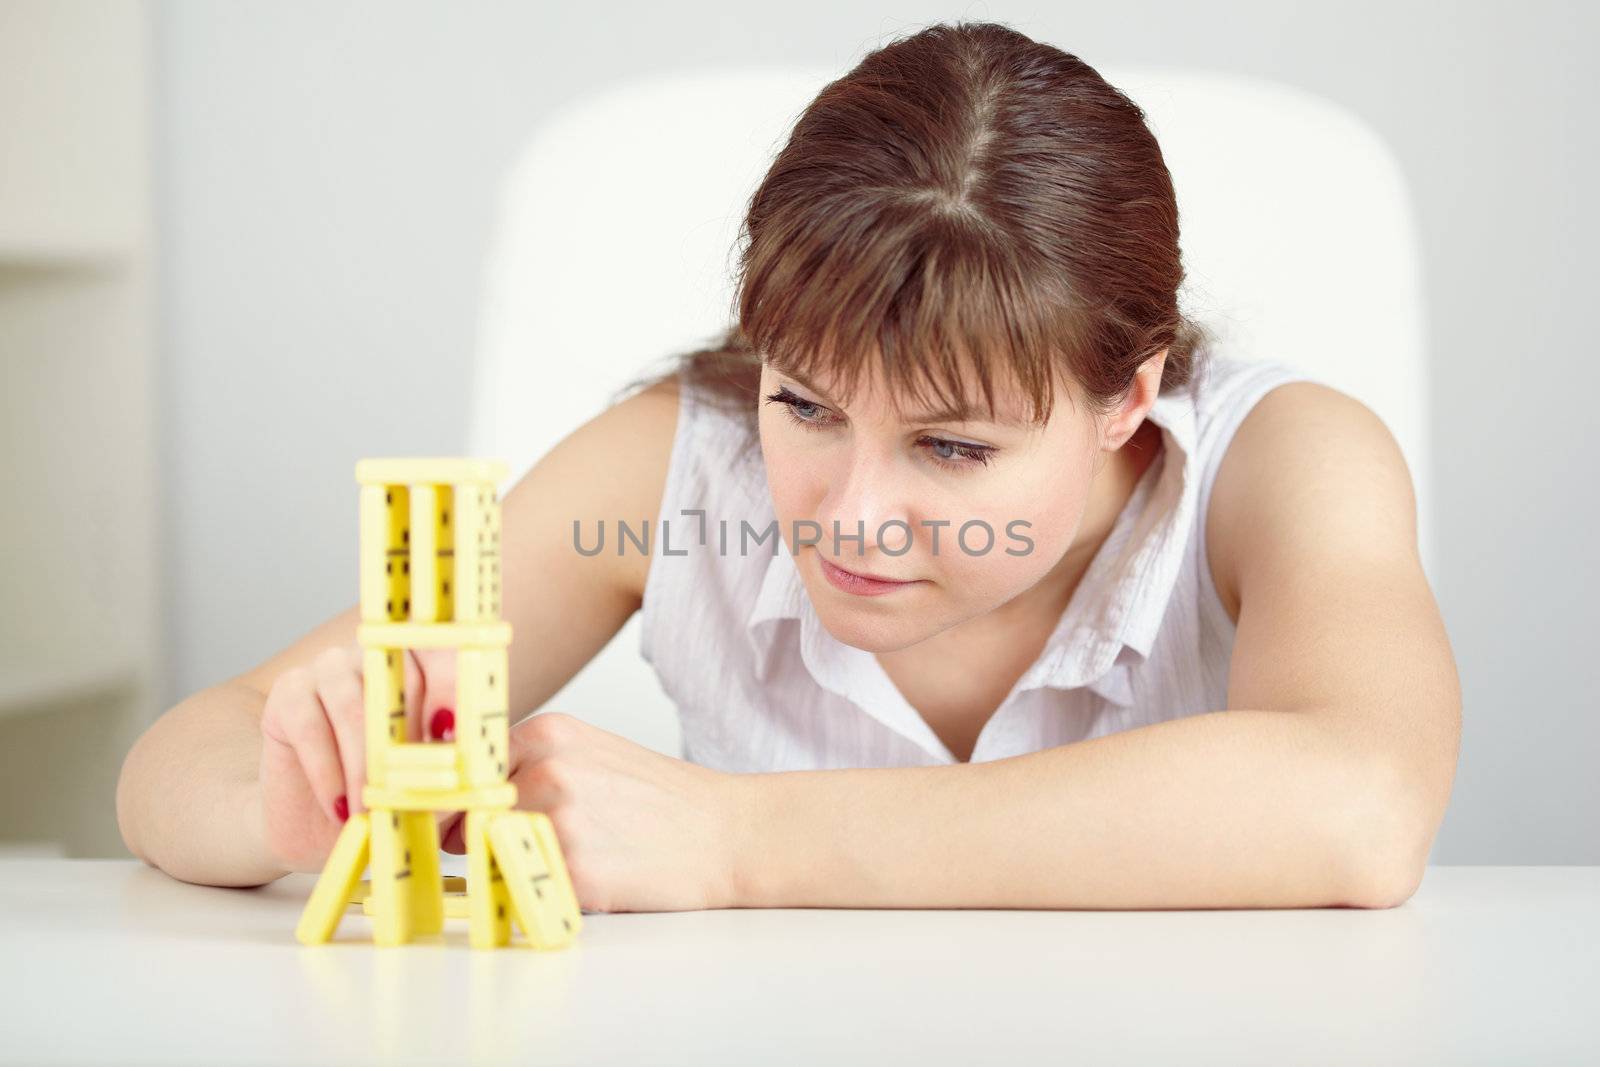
(977, 578)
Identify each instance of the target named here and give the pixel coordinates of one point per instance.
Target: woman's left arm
(1322, 784)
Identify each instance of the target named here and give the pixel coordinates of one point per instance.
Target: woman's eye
(957, 454)
(803, 411)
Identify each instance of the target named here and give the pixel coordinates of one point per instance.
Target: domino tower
(430, 578)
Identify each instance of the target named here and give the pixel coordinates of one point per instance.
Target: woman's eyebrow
(803, 380)
(953, 413)
(964, 413)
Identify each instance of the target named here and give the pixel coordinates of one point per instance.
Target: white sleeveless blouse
(761, 685)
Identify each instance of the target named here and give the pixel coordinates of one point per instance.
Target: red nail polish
(341, 808)
(443, 725)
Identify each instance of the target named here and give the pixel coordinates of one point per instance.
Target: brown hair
(965, 197)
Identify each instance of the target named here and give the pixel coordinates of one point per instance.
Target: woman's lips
(859, 584)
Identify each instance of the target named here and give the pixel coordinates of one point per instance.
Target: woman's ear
(1142, 394)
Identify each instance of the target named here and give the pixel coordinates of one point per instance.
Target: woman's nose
(868, 491)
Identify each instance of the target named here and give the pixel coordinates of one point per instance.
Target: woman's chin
(870, 626)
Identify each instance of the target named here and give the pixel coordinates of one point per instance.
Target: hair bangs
(926, 304)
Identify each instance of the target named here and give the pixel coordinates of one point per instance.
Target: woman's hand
(639, 831)
(313, 746)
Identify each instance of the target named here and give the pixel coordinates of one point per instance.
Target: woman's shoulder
(1294, 440)
(672, 445)
(636, 439)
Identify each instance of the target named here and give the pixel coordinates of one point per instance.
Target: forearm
(1224, 809)
(188, 800)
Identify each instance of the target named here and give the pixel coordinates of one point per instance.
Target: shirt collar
(1109, 625)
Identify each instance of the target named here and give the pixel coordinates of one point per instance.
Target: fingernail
(341, 808)
(443, 724)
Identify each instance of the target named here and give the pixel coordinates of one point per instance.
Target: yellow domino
(482, 634)
(425, 766)
(482, 721)
(498, 796)
(383, 681)
(544, 836)
(455, 905)
(477, 553)
(391, 874)
(488, 903)
(436, 778)
(429, 755)
(536, 877)
(453, 890)
(374, 554)
(385, 553)
(420, 838)
(339, 876)
(432, 553)
(454, 886)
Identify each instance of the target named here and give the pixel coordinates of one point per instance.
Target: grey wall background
(326, 177)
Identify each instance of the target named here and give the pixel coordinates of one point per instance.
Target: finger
(453, 837)
(539, 736)
(311, 743)
(340, 691)
(536, 785)
(437, 711)
(416, 686)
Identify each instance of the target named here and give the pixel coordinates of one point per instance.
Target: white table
(112, 961)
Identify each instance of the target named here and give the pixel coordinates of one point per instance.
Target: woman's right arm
(241, 783)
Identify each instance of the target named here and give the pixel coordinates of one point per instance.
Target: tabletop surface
(113, 961)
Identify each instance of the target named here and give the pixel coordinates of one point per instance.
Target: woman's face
(963, 513)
